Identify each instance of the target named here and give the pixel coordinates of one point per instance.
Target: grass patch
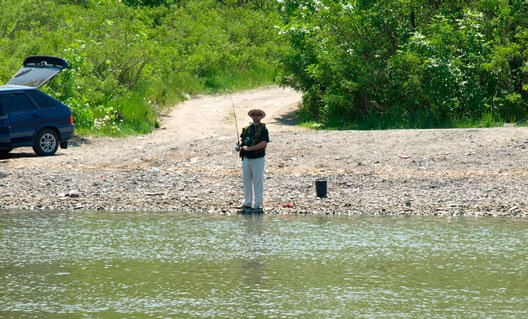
(487, 120)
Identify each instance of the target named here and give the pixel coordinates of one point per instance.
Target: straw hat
(257, 111)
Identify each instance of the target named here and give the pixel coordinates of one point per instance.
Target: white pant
(253, 181)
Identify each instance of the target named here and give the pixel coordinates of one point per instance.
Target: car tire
(46, 142)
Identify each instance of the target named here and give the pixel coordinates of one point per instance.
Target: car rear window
(43, 101)
(16, 102)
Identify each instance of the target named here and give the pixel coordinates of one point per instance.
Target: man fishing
(253, 141)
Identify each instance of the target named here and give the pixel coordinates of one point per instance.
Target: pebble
(376, 177)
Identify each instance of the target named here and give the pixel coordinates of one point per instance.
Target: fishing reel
(236, 148)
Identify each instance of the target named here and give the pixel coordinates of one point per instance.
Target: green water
(153, 265)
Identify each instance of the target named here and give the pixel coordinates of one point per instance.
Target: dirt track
(189, 165)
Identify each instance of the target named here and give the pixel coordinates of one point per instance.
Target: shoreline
(375, 173)
(189, 166)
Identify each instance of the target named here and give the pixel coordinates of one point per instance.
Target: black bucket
(320, 188)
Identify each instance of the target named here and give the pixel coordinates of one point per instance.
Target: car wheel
(46, 143)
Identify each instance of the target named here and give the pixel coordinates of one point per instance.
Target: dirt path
(213, 115)
(210, 117)
(205, 117)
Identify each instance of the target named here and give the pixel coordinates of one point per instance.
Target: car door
(23, 117)
(5, 137)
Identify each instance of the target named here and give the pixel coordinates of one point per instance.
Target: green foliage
(408, 63)
(128, 60)
(360, 63)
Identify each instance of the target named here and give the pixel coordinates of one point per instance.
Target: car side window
(43, 101)
(16, 102)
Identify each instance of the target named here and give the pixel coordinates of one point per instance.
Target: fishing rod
(237, 147)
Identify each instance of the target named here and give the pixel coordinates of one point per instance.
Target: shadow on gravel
(289, 119)
(17, 155)
(14, 155)
(75, 141)
(79, 140)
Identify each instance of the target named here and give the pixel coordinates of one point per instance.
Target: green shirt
(251, 136)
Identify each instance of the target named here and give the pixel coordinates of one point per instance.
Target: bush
(131, 59)
(384, 64)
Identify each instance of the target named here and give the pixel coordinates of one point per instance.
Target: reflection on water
(155, 265)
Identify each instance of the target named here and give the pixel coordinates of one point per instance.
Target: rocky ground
(188, 165)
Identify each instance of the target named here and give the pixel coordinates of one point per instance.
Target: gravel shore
(452, 172)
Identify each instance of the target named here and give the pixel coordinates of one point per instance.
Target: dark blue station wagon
(29, 117)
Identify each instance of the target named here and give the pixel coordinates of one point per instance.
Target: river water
(167, 265)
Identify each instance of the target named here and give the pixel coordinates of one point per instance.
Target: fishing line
(236, 148)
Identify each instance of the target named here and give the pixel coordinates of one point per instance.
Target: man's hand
(257, 147)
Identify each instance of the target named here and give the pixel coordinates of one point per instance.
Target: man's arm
(257, 147)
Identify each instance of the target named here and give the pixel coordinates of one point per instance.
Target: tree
(412, 63)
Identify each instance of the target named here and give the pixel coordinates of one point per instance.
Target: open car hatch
(38, 70)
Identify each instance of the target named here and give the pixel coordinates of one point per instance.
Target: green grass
(487, 120)
(418, 121)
